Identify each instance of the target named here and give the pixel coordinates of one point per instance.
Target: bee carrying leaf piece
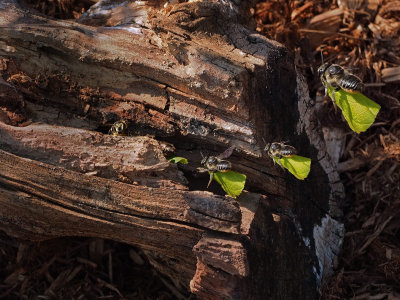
(278, 150)
(118, 128)
(339, 79)
(214, 164)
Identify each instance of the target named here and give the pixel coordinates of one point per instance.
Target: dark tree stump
(191, 74)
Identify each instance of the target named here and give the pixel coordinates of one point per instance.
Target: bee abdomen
(288, 152)
(224, 166)
(351, 83)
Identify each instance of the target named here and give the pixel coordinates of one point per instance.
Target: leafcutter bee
(279, 150)
(118, 128)
(339, 79)
(167, 148)
(218, 163)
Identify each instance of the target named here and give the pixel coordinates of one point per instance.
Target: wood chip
(351, 165)
(370, 222)
(298, 11)
(391, 74)
(328, 17)
(86, 109)
(136, 258)
(374, 235)
(374, 168)
(389, 253)
(109, 286)
(86, 262)
(362, 5)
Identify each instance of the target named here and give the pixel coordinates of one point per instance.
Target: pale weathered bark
(187, 73)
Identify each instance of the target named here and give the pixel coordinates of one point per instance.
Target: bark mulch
(78, 268)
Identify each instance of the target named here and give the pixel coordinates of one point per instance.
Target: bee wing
(228, 152)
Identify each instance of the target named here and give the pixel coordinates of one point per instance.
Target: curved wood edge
(100, 197)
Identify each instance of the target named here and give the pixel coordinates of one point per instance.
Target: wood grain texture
(80, 192)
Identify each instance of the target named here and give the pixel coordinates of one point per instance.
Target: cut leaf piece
(358, 110)
(231, 182)
(299, 166)
(178, 159)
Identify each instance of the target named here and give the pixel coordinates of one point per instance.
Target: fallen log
(191, 74)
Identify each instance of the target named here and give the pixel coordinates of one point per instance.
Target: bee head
(211, 160)
(322, 69)
(275, 146)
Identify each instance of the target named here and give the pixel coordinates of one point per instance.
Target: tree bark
(191, 74)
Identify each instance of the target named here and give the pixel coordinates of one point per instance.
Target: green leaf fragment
(231, 182)
(299, 166)
(358, 110)
(178, 159)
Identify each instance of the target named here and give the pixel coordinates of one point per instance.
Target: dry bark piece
(212, 283)
(391, 74)
(369, 6)
(351, 164)
(223, 253)
(322, 26)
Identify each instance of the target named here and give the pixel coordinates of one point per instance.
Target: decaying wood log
(191, 74)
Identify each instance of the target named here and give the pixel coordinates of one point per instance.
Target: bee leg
(333, 98)
(202, 170)
(211, 178)
(279, 161)
(334, 101)
(325, 84)
(280, 164)
(272, 157)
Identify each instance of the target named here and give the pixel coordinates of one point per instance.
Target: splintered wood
(391, 74)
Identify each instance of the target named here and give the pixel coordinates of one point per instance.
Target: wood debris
(391, 74)
(62, 269)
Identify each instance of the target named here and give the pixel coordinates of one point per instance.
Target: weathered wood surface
(128, 159)
(190, 74)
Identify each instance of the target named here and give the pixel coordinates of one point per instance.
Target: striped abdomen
(351, 83)
(288, 151)
(223, 166)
